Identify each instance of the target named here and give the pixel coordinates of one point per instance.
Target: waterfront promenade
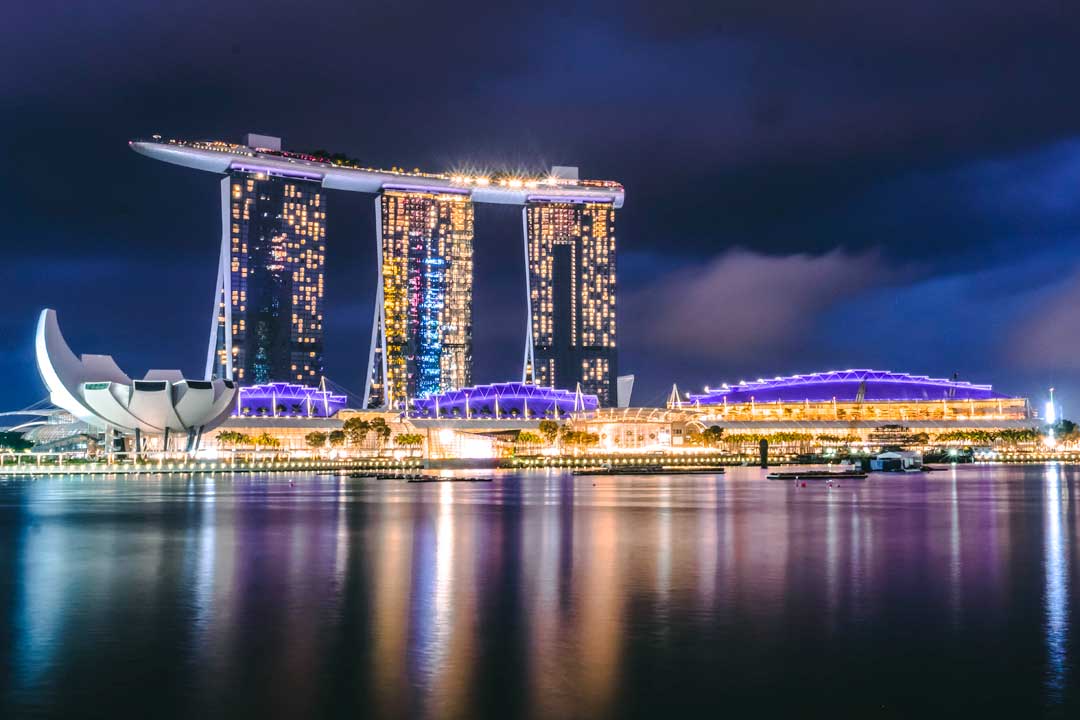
(29, 464)
(174, 466)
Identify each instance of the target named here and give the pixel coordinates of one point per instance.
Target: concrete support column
(222, 293)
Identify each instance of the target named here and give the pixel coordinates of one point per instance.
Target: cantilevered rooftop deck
(339, 174)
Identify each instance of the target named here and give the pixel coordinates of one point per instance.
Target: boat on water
(897, 461)
(818, 475)
(650, 469)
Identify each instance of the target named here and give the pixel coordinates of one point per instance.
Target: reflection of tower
(267, 323)
(571, 296)
(422, 332)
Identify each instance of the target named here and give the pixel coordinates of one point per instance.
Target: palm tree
(381, 429)
(712, 435)
(357, 430)
(409, 440)
(266, 440)
(527, 438)
(549, 429)
(233, 438)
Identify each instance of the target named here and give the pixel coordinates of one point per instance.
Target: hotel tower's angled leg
(219, 352)
(376, 375)
(529, 363)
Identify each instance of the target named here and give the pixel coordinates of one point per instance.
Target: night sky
(809, 186)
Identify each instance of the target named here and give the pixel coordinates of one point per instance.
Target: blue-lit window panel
(427, 289)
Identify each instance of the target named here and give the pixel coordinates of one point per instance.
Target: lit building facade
(498, 401)
(287, 400)
(851, 396)
(570, 250)
(423, 325)
(267, 320)
(818, 411)
(269, 310)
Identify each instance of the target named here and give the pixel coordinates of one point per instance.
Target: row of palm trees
(550, 432)
(234, 439)
(356, 431)
(992, 437)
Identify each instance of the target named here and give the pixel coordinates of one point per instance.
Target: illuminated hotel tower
(422, 332)
(268, 319)
(570, 249)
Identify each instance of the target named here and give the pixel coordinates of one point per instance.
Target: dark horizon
(806, 189)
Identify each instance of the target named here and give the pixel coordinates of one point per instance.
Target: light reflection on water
(1057, 585)
(538, 596)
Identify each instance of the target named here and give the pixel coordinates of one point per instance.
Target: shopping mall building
(820, 409)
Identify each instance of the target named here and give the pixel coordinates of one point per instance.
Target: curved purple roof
(281, 399)
(511, 400)
(847, 386)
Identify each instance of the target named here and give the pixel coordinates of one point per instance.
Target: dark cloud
(740, 307)
(1046, 341)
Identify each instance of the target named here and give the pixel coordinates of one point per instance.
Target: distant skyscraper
(571, 279)
(423, 325)
(270, 280)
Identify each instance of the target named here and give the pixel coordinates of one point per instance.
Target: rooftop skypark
(339, 172)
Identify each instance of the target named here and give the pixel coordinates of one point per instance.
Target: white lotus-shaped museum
(96, 391)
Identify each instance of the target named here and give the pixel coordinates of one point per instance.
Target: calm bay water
(540, 596)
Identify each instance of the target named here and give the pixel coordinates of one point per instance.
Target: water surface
(540, 596)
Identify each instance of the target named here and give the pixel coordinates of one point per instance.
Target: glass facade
(571, 261)
(427, 276)
(277, 254)
(904, 411)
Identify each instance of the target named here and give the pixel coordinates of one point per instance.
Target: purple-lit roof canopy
(847, 386)
(286, 400)
(503, 401)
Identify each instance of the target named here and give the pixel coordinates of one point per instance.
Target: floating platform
(650, 470)
(414, 477)
(816, 475)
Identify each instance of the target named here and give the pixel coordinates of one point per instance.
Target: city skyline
(540, 360)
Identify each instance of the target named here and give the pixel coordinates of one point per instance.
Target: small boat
(818, 475)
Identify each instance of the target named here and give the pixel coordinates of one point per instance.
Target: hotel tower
(422, 331)
(268, 314)
(571, 297)
(268, 323)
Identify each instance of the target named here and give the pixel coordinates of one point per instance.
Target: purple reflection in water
(539, 595)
